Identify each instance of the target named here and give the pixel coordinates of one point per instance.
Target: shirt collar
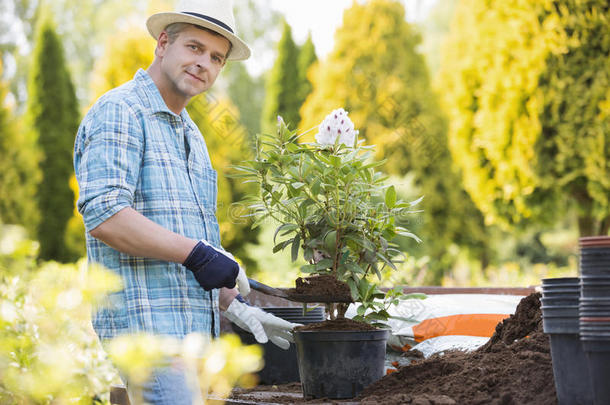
(156, 102)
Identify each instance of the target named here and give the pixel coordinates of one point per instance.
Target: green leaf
(409, 235)
(377, 316)
(295, 247)
(308, 254)
(390, 197)
(335, 161)
(324, 264)
(354, 268)
(297, 184)
(363, 288)
(308, 268)
(282, 245)
(315, 187)
(284, 227)
(359, 318)
(414, 203)
(374, 164)
(260, 220)
(352, 286)
(418, 296)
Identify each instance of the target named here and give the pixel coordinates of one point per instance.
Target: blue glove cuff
(199, 257)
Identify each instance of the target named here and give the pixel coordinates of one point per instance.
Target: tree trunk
(588, 226)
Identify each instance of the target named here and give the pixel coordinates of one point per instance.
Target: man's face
(192, 62)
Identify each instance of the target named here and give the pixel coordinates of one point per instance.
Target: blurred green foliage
(307, 57)
(48, 351)
(81, 25)
(52, 116)
(19, 173)
(247, 93)
(282, 87)
(526, 88)
(257, 27)
(49, 354)
(377, 73)
(526, 94)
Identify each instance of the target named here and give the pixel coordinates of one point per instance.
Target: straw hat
(216, 15)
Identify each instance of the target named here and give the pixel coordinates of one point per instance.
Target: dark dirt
(527, 318)
(320, 288)
(337, 324)
(514, 367)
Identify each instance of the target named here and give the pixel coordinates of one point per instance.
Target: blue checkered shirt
(131, 151)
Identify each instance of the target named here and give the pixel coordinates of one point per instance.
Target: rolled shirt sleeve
(107, 156)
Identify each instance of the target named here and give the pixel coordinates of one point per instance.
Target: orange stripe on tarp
(482, 325)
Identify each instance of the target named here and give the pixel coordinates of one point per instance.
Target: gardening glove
(212, 268)
(243, 285)
(263, 325)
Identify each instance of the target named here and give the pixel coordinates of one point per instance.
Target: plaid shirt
(131, 151)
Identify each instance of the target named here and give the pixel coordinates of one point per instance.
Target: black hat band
(211, 19)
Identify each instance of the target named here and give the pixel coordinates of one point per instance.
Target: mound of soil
(337, 324)
(320, 288)
(514, 367)
(527, 319)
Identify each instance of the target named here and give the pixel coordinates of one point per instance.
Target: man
(148, 195)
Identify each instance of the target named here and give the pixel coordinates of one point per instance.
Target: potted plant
(334, 206)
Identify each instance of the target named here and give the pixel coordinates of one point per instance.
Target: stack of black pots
(595, 312)
(576, 316)
(560, 314)
(281, 365)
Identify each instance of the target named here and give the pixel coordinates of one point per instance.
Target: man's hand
(264, 326)
(213, 268)
(243, 285)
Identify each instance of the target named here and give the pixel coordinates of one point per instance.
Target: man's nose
(204, 61)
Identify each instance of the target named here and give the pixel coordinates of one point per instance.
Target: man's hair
(176, 28)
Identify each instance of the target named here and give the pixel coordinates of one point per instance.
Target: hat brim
(156, 23)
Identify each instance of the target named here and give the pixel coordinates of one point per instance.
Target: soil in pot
(337, 325)
(324, 288)
(514, 367)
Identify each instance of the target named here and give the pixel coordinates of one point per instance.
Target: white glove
(263, 325)
(242, 279)
(242, 282)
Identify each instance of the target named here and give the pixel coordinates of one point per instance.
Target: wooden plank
(118, 395)
(471, 290)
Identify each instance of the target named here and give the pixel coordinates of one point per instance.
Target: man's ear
(162, 44)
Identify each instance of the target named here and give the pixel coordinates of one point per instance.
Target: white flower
(336, 125)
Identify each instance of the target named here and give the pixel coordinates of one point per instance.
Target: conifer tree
(242, 90)
(282, 88)
(307, 57)
(52, 115)
(19, 174)
(527, 93)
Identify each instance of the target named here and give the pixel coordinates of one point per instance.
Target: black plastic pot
(570, 370)
(281, 366)
(339, 364)
(560, 316)
(598, 357)
(559, 281)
